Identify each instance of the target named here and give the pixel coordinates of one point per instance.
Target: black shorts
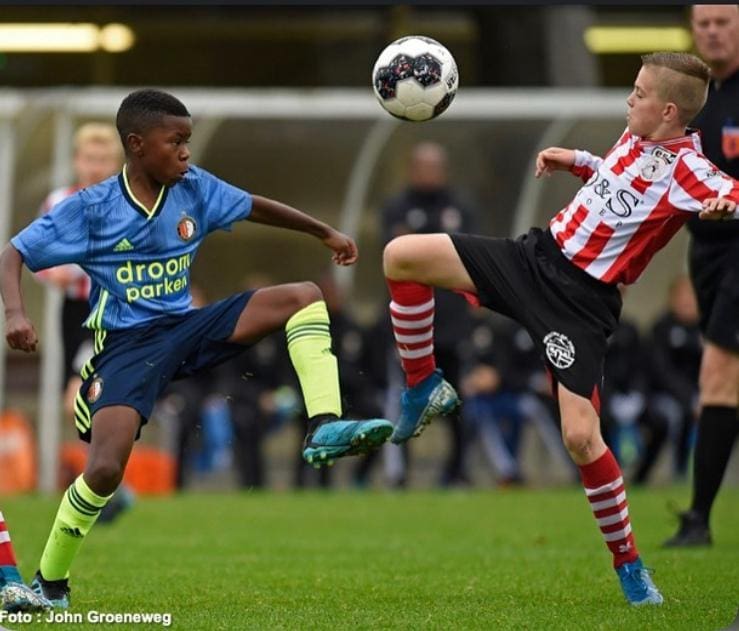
(714, 271)
(569, 314)
(132, 367)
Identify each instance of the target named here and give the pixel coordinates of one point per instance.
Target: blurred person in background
(97, 156)
(714, 271)
(628, 428)
(15, 595)
(674, 358)
(429, 204)
(504, 388)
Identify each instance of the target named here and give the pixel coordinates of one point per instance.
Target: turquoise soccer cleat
(338, 438)
(18, 597)
(434, 396)
(637, 584)
(56, 592)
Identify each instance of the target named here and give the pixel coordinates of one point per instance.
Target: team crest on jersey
(95, 390)
(654, 166)
(559, 349)
(186, 228)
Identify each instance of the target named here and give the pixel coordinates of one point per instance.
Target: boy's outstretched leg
(414, 265)
(113, 435)
(15, 596)
(604, 488)
(300, 308)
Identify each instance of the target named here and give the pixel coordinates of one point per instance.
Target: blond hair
(97, 133)
(685, 84)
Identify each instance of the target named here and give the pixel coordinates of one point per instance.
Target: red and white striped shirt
(633, 202)
(79, 288)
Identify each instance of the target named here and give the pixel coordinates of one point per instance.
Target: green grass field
(463, 560)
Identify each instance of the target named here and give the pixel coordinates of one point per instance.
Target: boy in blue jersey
(136, 235)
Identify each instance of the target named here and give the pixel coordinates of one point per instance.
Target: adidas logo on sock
(123, 246)
(72, 532)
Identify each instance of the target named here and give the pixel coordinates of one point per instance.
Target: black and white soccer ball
(415, 78)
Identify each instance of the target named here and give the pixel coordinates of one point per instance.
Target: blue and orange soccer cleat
(18, 597)
(56, 592)
(636, 581)
(434, 396)
(337, 438)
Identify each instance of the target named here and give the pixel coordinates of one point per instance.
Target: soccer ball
(415, 78)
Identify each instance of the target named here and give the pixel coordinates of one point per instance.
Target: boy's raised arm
(272, 213)
(19, 331)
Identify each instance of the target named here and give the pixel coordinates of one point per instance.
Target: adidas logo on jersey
(123, 246)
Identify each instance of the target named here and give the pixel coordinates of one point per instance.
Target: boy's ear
(134, 143)
(670, 112)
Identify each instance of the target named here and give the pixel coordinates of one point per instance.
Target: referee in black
(714, 271)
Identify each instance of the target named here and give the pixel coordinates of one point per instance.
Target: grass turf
(465, 560)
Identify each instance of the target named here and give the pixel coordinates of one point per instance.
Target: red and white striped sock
(412, 314)
(604, 486)
(7, 556)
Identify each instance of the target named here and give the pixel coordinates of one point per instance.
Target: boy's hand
(345, 250)
(717, 208)
(554, 159)
(19, 332)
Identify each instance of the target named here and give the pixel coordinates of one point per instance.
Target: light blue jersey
(138, 259)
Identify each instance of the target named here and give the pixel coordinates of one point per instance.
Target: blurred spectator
(504, 387)
(625, 395)
(98, 154)
(675, 351)
(428, 205)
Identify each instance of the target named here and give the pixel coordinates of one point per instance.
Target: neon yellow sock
(309, 345)
(77, 513)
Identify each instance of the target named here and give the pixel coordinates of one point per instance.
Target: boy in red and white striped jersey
(561, 283)
(15, 595)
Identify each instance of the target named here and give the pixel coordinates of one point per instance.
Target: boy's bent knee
(306, 293)
(103, 476)
(396, 255)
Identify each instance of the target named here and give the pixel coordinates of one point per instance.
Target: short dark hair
(143, 108)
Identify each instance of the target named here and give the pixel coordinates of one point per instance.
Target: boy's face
(96, 161)
(646, 107)
(162, 149)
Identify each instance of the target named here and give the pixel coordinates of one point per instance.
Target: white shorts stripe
(413, 324)
(606, 487)
(618, 535)
(2, 519)
(613, 519)
(414, 339)
(609, 503)
(4, 536)
(416, 353)
(394, 306)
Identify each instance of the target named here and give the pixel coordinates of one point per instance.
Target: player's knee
(304, 294)
(103, 475)
(395, 256)
(578, 441)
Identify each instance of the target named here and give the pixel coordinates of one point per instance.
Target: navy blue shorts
(132, 367)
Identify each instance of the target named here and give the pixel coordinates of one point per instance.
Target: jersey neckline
(135, 203)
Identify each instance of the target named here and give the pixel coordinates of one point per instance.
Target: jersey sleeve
(223, 202)
(585, 164)
(697, 179)
(60, 236)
